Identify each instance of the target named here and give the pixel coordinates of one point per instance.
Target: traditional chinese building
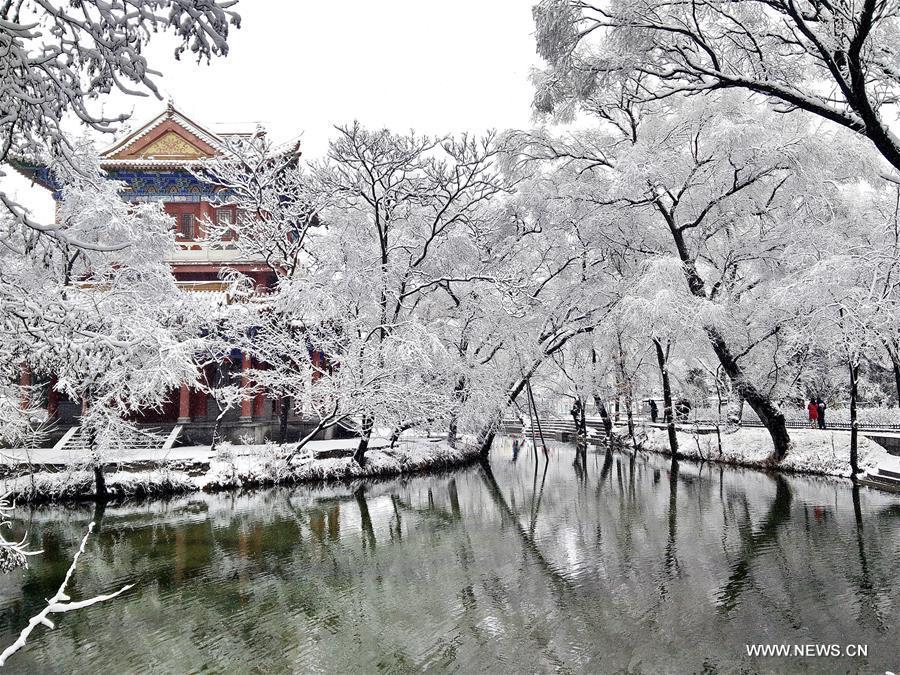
(154, 162)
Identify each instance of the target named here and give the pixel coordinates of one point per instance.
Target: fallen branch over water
(60, 603)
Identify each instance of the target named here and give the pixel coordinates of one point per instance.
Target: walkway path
(888, 475)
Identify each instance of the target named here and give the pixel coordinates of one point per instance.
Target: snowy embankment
(815, 452)
(267, 468)
(237, 467)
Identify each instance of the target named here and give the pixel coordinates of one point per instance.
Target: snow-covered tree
(835, 60)
(60, 59)
(276, 213)
(721, 190)
(106, 321)
(848, 294)
(275, 205)
(395, 206)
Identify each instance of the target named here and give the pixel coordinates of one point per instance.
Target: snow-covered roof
(229, 129)
(171, 113)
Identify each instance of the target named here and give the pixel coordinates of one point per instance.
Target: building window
(186, 225)
(224, 217)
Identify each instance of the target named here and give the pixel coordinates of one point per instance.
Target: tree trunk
(453, 432)
(100, 484)
(854, 429)
(216, 433)
(604, 415)
(459, 393)
(360, 455)
(769, 414)
(578, 416)
(537, 419)
(896, 363)
(629, 415)
(662, 358)
(283, 415)
(734, 413)
(485, 441)
(627, 392)
(100, 493)
(600, 405)
(399, 429)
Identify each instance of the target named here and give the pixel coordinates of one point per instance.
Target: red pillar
(198, 404)
(259, 402)
(52, 400)
(184, 404)
(25, 384)
(247, 403)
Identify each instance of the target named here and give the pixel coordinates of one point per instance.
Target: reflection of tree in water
(755, 543)
(527, 536)
(869, 610)
(607, 465)
(460, 573)
(671, 559)
(535, 501)
(365, 519)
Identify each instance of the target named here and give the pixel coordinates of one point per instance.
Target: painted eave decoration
(171, 138)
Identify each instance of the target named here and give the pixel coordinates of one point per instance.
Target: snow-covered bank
(52, 486)
(236, 468)
(266, 468)
(824, 453)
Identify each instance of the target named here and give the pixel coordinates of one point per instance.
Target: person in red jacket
(813, 410)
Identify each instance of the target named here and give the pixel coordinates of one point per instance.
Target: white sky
(300, 67)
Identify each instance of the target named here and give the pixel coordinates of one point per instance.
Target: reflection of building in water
(193, 549)
(326, 522)
(535, 584)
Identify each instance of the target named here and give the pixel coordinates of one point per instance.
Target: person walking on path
(654, 411)
(820, 412)
(813, 410)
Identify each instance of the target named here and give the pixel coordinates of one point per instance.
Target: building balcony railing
(200, 251)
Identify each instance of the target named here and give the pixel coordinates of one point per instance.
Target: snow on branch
(60, 58)
(13, 554)
(59, 604)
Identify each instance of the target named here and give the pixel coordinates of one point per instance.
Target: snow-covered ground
(266, 466)
(812, 451)
(240, 466)
(189, 453)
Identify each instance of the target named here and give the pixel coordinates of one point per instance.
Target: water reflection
(755, 542)
(568, 561)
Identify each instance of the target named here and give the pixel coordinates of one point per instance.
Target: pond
(613, 563)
